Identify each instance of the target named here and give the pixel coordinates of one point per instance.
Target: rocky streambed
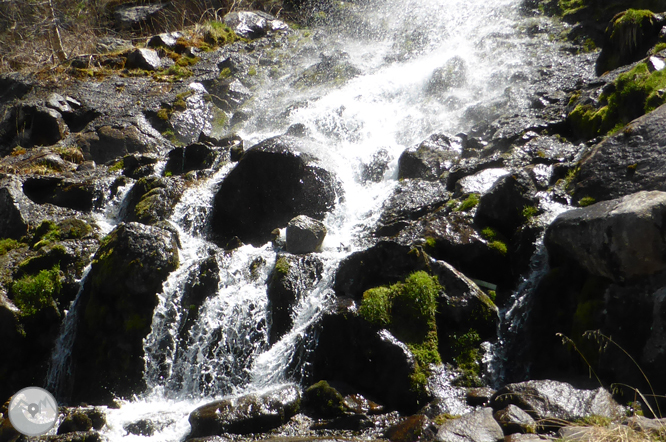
(205, 219)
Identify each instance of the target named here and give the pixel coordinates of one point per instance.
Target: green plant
(489, 233)
(376, 306)
(32, 293)
(529, 212)
(282, 266)
(45, 233)
(8, 244)
(470, 202)
(586, 201)
(117, 166)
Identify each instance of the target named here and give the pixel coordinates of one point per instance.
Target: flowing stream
(383, 109)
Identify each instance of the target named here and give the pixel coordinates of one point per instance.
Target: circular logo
(33, 411)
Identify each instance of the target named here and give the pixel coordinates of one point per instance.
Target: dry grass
(26, 25)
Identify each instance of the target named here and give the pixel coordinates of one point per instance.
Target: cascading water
(384, 105)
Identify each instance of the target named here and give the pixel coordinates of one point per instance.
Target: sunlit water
(384, 109)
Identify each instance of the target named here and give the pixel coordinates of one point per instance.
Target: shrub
(32, 293)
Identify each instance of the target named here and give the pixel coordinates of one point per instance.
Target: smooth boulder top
(618, 239)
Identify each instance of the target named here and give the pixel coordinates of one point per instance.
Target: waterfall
(385, 104)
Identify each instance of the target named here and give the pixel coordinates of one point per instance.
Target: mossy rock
(324, 401)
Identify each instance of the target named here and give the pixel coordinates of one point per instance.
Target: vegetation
(586, 201)
(470, 202)
(8, 244)
(32, 293)
(407, 309)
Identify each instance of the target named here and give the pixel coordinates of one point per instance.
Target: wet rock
(76, 421)
(152, 200)
(555, 402)
(291, 279)
(79, 436)
(352, 351)
(354, 422)
(253, 24)
(628, 38)
(139, 166)
(116, 311)
(82, 195)
(292, 184)
(514, 420)
(619, 239)
(632, 160)
(195, 156)
(385, 263)
(323, 401)
(252, 413)
(333, 68)
(305, 235)
(576, 433)
(374, 170)
(431, 158)
(143, 58)
(409, 429)
(480, 182)
(39, 126)
(478, 426)
(453, 74)
(502, 206)
(479, 396)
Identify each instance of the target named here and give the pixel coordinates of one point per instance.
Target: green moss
(467, 357)
(46, 233)
(492, 294)
(407, 309)
(489, 233)
(430, 242)
(187, 61)
(179, 72)
(32, 293)
(225, 73)
(163, 114)
(498, 246)
(658, 48)
(470, 202)
(282, 266)
(594, 420)
(117, 166)
(252, 71)
(529, 212)
(376, 306)
(219, 34)
(73, 228)
(586, 201)
(325, 400)
(8, 244)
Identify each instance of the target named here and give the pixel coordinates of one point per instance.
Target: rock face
(553, 401)
(619, 239)
(632, 160)
(116, 311)
(247, 414)
(291, 184)
(305, 235)
(431, 158)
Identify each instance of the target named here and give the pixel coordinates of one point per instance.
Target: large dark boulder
(502, 206)
(555, 402)
(81, 194)
(116, 310)
(39, 126)
(152, 200)
(273, 182)
(108, 143)
(619, 239)
(251, 413)
(431, 158)
(305, 235)
(289, 282)
(353, 351)
(632, 160)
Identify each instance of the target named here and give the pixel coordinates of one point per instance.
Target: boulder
(305, 235)
(151, 200)
(130, 16)
(12, 223)
(253, 24)
(628, 38)
(478, 426)
(164, 40)
(479, 182)
(554, 402)
(195, 156)
(410, 200)
(323, 401)
(116, 311)
(502, 206)
(333, 68)
(629, 161)
(251, 413)
(291, 184)
(453, 74)
(373, 362)
(417, 427)
(289, 282)
(431, 158)
(78, 194)
(139, 166)
(143, 58)
(109, 143)
(107, 45)
(619, 239)
(514, 420)
(39, 126)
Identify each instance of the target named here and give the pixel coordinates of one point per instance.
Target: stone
(13, 223)
(292, 278)
(253, 24)
(195, 156)
(478, 426)
(151, 200)
(293, 183)
(374, 170)
(619, 239)
(553, 402)
(431, 158)
(40, 126)
(305, 235)
(452, 75)
(116, 313)
(164, 40)
(514, 420)
(627, 162)
(106, 45)
(78, 194)
(409, 429)
(480, 182)
(143, 58)
(132, 17)
(251, 413)
(108, 143)
(139, 166)
(76, 421)
(323, 401)
(479, 396)
(333, 68)
(502, 206)
(576, 433)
